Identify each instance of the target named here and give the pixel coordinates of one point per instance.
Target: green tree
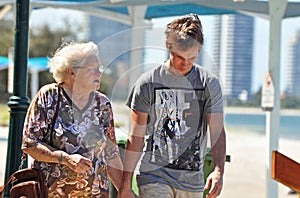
(7, 36)
(290, 102)
(257, 98)
(44, 40)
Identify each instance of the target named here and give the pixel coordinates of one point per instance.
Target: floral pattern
(88, 131)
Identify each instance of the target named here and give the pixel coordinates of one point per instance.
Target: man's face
(181, 61)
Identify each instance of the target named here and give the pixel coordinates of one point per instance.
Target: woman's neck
(78, 96)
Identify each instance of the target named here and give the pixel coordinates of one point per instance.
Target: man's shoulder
(204, 72)
(151, 73)
(202, 69)
(157, 68)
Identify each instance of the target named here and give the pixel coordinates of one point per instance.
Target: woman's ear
(70, 72)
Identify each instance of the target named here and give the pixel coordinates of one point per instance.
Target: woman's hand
(77, 163)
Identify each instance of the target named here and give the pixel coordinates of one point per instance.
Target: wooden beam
(286, 171)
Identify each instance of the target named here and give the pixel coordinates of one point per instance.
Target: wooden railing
(286, 171)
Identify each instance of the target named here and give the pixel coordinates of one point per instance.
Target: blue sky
(261, 37)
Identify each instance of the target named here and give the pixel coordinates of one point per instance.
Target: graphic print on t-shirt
(176, 138)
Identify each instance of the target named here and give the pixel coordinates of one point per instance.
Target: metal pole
(19, 102)
(277, 9)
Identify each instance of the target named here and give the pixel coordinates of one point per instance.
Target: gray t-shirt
(176, 133)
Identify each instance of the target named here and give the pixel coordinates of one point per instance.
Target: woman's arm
(44, 153)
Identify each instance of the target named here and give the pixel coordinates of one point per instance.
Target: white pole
(137, 14)
(277, 9)
(34, 84)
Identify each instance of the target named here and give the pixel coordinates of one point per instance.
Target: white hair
(70, 55)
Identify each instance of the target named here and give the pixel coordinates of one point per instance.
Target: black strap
(55, 114)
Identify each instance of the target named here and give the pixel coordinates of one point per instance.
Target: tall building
(233, 49)
(293, 68)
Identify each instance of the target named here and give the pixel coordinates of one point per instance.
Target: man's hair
(186, 31)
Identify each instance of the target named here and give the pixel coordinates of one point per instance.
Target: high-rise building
(293, 68)
(233, 50)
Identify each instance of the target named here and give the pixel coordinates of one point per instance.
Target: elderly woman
(69, 128)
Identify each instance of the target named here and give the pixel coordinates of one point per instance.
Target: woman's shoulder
(49, 87)
(101, 96)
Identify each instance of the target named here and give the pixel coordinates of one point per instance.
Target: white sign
(268, 92)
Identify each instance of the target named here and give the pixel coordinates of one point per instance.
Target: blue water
(289, 125)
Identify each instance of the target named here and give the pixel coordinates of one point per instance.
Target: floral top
(88, 131)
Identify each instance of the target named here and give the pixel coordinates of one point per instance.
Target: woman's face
(88, 76)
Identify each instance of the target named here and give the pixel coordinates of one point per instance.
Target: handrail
(286, 171)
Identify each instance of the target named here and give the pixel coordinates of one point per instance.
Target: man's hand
(214, 182)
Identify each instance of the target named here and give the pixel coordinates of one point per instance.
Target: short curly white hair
(71, 54)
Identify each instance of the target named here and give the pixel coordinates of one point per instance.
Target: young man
(173, 107)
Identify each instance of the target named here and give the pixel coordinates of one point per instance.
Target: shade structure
(164, 8)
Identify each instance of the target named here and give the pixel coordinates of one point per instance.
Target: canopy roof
(163, 8)
(119, 10)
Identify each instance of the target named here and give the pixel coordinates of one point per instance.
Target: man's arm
(133, 152)
(115, 169)
(218, 145)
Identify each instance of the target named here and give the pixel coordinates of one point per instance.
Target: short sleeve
(215, 96)
(139, 97)
(38, 118)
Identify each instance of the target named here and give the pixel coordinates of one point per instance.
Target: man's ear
(168, 45)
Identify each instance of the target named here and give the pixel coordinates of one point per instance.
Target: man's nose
(185, 61)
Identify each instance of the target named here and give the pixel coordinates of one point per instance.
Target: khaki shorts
(164, 191)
